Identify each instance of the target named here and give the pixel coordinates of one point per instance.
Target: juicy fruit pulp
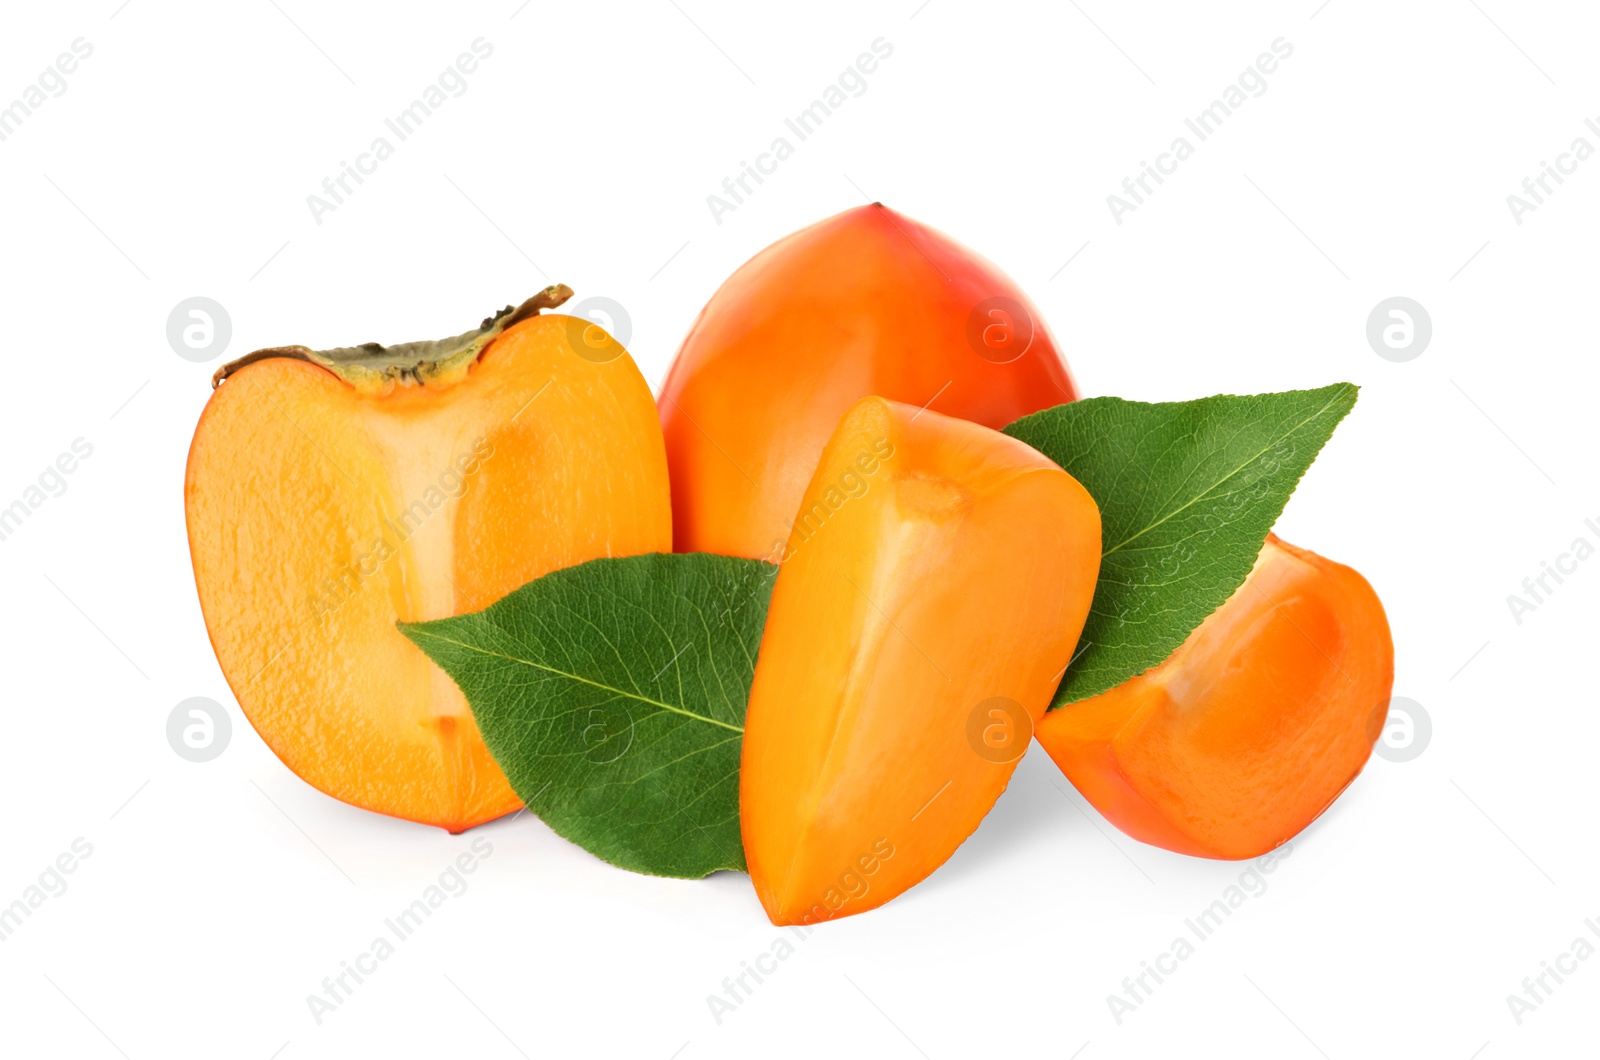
(320, 513)
(934, 586)
(1252, 727)
(864, 303)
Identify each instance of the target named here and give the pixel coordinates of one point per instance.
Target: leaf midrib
(1197, 498)
(580, 679)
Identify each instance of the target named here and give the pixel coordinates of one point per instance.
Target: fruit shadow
(1034, 816)
(1042, 816)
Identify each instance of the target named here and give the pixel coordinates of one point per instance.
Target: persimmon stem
(376, 368)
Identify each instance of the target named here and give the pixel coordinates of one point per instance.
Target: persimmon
(867, 302)
(331, 494)
(1251, 729)
(930, 595)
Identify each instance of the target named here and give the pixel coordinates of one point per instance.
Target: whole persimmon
(868, 302)
(330, 494)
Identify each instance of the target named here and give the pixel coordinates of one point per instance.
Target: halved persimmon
(1251, 729)
(930, 595)
(865, 302)
(331, 494)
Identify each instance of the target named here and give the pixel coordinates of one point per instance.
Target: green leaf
(1188, 492)
(612, 694)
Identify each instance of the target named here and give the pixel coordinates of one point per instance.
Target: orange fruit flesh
(1252, 727)
(959, 570)
(320, 515)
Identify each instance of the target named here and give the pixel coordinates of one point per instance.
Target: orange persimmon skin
(319, 515)
(937, 569)
(865, 302)
(1251, 729)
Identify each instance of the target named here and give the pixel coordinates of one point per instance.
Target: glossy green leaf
(1188, 492)
(612, 694)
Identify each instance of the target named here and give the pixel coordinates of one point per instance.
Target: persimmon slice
(1251, 729)
(931, 593)
(866, 302)
(330, 495)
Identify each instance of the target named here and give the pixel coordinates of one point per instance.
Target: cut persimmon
(1251, 729)
(331, 494)
(937, 578)
(865, 302)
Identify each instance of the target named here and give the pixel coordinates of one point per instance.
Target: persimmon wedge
(868, 302)
(331, 494)
(929, 597)
(1251, 729)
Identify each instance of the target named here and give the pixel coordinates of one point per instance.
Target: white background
(1377, 163)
